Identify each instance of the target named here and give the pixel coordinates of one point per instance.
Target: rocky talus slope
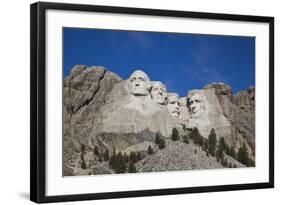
(180, 156)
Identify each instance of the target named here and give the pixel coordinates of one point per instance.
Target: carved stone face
(139, 83)
(183, 101)
(197, 105)
(159, 92)
(173, 105)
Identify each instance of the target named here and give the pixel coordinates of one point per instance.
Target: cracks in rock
(87, 102)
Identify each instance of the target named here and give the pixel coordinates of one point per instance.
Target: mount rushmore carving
(101, 108)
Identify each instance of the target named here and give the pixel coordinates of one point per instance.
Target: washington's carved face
(197, 105)
(139, 83)
(158, 92)
(173, 105)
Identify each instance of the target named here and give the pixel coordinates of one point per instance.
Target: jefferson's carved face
(173, 105)
(139, 83)
(158, 92)
(197, 105)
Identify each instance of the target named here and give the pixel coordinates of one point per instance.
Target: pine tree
(83, 149)
(184, 127)
(185, 139)
(106, 155)
(112, 161)
(126, 157)
(196, 136)
(96, 150)
(232, 152)
(162, 144)
(100, 158)
(150, 150)
(120, 163)
(83, 163)
(157, 138)
(242, 155)
(227, 149)
(138, 156)
(221, 148)
(133, 157)
(131, 167)
(212, 139)
(175, 134)
(194, 133)
(205, 145)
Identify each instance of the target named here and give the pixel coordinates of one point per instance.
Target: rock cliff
(101, 109)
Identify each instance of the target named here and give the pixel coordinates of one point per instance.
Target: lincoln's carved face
(196, 104)
(158, 92)
(139, 83)
(173, 105)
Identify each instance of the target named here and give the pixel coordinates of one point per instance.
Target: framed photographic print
(129, 102)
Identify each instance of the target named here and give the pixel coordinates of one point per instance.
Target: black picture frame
(38, 101)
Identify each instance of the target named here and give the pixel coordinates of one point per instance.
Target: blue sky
(181, 61)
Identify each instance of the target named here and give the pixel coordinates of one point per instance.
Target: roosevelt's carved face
(196, 105)
(183, 101)
(139, 83)
(158, 92)
(173, 105)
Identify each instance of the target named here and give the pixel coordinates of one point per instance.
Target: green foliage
(212, 139)
(126, 157)
(243, 156)
(196, 136)
(96, 150)
(184, 127)
(132, 167)
(194, 133)
(138, 156)
(162, 144)
(157, 139)
(227, 149)
(83, 163)
(83, 149)
(175, 134)
(221, 148)
(106, 155)
(185, 139)
(232, 152)
(112, 160)
(120, 166)
(100, 158)
(133, 157)
(206, 145)
(150, 150)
